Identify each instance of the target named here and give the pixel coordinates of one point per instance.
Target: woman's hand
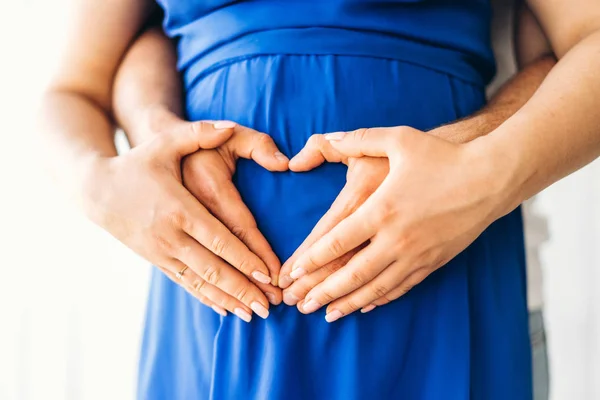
(435, 201)
(208, 176)
(139, 198)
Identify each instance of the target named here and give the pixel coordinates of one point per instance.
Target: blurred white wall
(72, 298)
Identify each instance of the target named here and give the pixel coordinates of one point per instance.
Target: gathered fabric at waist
(332, 41)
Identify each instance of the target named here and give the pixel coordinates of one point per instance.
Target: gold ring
(179, 275)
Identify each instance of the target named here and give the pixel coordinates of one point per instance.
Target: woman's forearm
(556, 132)
(76, 133)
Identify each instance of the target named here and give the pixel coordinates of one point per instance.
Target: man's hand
(417, 220)
(363, 178)
(140, 199)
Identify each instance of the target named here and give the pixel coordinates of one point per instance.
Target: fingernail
(297, 273)
(219, 310)
(271, 297)
(311, 306)
(242, 314)
(333, 316)
(280, 156)
(259, 309)
(262, 278)
(285, 281)
(290, 299)
(335, 136)
(224, 124)
(368, 308)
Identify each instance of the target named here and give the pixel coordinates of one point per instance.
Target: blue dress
(294, 68)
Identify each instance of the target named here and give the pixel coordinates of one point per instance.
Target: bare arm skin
(451, 193)
(148, 104)
(366, 174)
(139, 197)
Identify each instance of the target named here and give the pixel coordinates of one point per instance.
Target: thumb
(371, 142)
(189, 137)
(260, 147)
(316, 151)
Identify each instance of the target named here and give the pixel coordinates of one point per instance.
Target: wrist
(148, 122)
(463, 131)
(92, 183)
(503, 177)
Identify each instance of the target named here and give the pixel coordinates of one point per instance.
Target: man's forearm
(556, 132)
(147, 85)
(507, 101)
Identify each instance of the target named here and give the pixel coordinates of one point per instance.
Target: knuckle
(245, 266)
(163, 244)
(351, 305)
(197, 128)
(325, 297)
(361, 134)
(380, 290)
(176, 217)
(240, 232)
(242, 294)
(262, 139)
(335, 247)
(317, 141)
(405, 288)
(358, 277)
(212, 275)
(199, 285)
(184, 250)
(218, 245)
(311, 262)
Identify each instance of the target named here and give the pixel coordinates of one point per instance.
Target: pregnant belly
(293, 97)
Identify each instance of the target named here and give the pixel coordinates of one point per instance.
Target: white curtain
(72, 298)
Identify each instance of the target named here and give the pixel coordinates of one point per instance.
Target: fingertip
(221, 125)
(297, 164)
(285, 281)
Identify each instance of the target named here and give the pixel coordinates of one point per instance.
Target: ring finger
(218, 300)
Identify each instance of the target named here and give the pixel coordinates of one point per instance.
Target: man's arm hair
(534, 59)
(147, 84)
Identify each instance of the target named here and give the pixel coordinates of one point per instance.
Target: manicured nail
(242, 314)
(259, 309)
(262, 278)
(219, 310)
(333, 316)
(298, 273)
(311, 306)
(285, 281)
(271, 297)
(280, 156)
(335, 136)
(224, 124)
(290, 299)
(368, 308)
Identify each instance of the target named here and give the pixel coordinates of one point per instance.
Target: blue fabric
(462, 333)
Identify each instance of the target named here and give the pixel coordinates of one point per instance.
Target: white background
(72, 299)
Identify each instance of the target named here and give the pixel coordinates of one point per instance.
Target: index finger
(316, 151)
(345, 236)
(213, 235)
(370, 142)
(227, 206)
(257, 146)
(344, 205)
